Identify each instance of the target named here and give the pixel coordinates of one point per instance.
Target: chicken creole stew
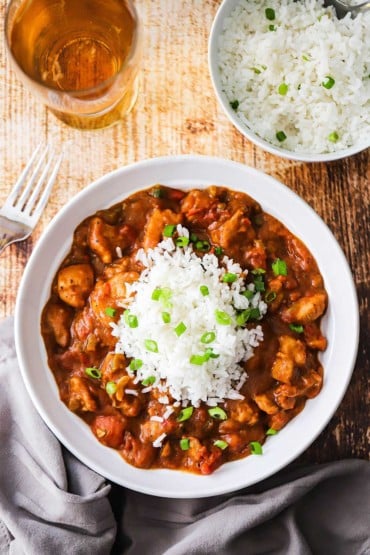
(184, 327)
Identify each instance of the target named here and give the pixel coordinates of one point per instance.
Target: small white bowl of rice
(292, 77)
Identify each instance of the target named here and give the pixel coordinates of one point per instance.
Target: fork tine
(28, 188)
(19, 184)
(40, 184)
(45, 195)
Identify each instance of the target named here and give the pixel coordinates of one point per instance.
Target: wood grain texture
(177, 113)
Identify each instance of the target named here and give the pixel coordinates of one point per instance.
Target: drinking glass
(80, 57)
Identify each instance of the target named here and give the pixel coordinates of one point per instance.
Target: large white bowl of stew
(95, 362)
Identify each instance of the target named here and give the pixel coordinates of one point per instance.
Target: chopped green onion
(148, 381)
(256, 448)
(234, 104)
(296, 327)
(180, 329)
(256, 70)
(185, 414)
(193, 237)
(283, 89)
(130, 319)
(166, 317)
(229, 277)
(329, 82)
(169, 230)
(222, 318)
(271, 432)
(333, 137)
(221, 444)
(258, 271)
(151, 345)
(248, 294)
(210, 354)
(93, 373)
(156, 295)
(208, 337)
(299, 86)
(259, 284)
(203, 246)
(306, 57)
(157, 192)
(184, 444)
(182, 241)
(270, 296)
(135, 364)
(218, 413)
(270, 14)
(279, 267)
(197, 359)
(204, 290)
(280, 135)
(218, 251)
(111, 388)
(248, 314)
(272, 28)
(109, 311)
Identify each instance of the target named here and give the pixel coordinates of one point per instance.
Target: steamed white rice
(303, 45)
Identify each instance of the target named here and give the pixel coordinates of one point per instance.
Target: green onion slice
(283, 89)
(218, 413)
(135, 364)
(203, 246)
(130, 319)
(329, 82)
(296, 327)
(148, 381)
(184, 443)
(333, 137)
(208, 337)
(180, 329)
(111, 388)
(182, 241)
(248, 294)
(151, 345)
(156, 295)
(259, 284)
(93, 372)
(193, 237)
(280, 135)
(157, 192)
(270, 14)
(256, 448)
(222, 318)
(279, 267)
(221, 444)
(169, 230)
(185, 414)
(229, 277)
(166, 317)
(272, 28)
(204, 290)
(271, 432)
(270, 296)
(197, 359)
(234, 104)
(218, 251)
(109, 311)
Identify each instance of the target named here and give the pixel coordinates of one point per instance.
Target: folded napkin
(50, 503)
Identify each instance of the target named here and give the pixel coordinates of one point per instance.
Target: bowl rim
(31, 351)
(217, 26)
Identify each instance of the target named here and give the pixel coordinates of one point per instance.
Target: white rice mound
(183, 273)
(307, 44)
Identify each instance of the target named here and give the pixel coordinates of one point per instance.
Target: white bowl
(223, 12)
(340, 324)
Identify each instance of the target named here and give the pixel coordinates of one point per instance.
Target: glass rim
(72, 92)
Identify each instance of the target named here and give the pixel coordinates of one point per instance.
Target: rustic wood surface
(177, 113)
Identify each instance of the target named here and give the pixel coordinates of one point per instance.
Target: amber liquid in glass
(79, 47)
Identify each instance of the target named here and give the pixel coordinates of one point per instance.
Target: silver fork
(27, 200)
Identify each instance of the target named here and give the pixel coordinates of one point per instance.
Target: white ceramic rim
(340, 324)
(223, 11)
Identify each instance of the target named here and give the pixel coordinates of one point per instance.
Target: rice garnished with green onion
(184, 324)
(296, 75)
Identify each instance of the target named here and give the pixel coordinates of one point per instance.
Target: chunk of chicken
(155, 224)
(150, 430)
(137, 453)
(243, 412)
(80, 396)
(306, 309)
(107, 294)
(266, 403)
(291, 353)
(103, 239)
(238, 228)
(59, 319)
(75, 284)
(285, 396)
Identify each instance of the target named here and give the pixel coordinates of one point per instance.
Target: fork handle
(10, 232)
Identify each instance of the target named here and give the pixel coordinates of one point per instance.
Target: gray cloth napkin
(50, 503)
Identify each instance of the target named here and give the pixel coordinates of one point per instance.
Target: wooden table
(177, 113)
